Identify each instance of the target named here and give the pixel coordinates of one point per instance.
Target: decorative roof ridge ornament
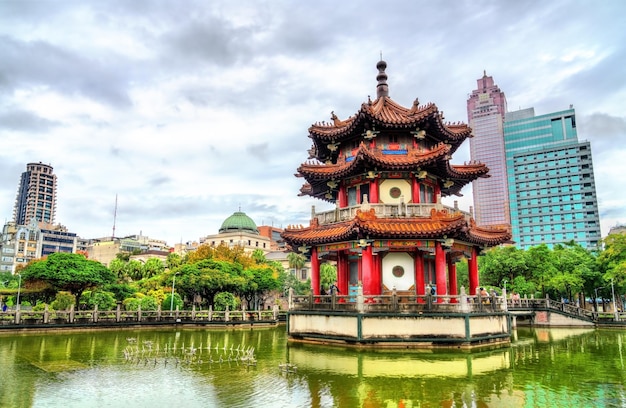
(382, 89)
(415, 107)
(336, 121)
(367, 215)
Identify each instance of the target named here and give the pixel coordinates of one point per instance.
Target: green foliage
(173, 260)
(63, 301)
(224, 299)
(296, 261)
(120, 291)
(104, 300)
(149, 303)
(68, 272)
(167, 302)
(328, 275)
(153, 267)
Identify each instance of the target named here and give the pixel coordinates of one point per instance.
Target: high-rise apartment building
(36, 195)
(552, 192)
(486, 107)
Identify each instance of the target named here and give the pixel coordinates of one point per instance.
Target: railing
(75, 317)
(571, 310)
(399, 303)
(385, 210)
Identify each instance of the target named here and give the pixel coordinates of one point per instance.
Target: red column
(378, 273)
(367, 267)
(440, 270)
(415, 190)
(452, 278)
(343, 197)
(472, 266)
(374, 191)
(342, 272)
(420, 284)
(315, 271)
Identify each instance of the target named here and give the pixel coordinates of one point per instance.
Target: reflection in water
(206, 368)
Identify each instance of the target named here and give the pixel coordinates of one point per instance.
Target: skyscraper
(486, 107)
(36, 195)
(552, 191)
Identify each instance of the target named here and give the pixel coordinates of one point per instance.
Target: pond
(259, 368)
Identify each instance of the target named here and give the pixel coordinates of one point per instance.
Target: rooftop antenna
(114, 217)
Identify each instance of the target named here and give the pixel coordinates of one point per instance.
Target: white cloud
(190, 112)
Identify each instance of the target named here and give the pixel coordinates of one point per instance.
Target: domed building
(239, 230)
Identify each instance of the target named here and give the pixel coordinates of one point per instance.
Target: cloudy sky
(190, 110)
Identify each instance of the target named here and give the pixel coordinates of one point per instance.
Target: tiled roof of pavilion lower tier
(385, 112)
(366, 223)
(365, 156)
(487, 235)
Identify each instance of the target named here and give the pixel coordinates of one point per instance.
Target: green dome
(238, 222)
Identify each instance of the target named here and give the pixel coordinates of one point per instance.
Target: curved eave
(320, 234)
(366, 159)
(460, 175)
(488, 236)
(386, 113)
(433, 227)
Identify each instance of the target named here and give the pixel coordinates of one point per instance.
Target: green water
(244, 368)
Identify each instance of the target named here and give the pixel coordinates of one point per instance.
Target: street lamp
(172, 296)
(19, 287)
(596, 298)
(614, 305)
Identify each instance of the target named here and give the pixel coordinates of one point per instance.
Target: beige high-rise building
(36, 195)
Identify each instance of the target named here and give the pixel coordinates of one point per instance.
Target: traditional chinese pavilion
(386, 168)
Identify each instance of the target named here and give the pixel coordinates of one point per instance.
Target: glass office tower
(552, 191)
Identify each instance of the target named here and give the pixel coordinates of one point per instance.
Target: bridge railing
(534, 304)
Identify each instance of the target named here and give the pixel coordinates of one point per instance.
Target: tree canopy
(68, 272)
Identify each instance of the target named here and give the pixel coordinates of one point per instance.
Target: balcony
(400, 210)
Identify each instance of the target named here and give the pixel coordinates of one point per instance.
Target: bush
(63, 301)
(223, 299)
(146, 302)
(167, 302)
(104, 300)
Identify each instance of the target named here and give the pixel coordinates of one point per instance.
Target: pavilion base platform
(457, 322)
(436, 330)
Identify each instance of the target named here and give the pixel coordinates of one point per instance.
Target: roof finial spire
(382, 89)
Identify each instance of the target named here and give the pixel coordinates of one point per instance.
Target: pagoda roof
(367, 224)
(365, 157)
(385, 113)
(434, 160)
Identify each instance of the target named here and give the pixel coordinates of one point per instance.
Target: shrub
(104, 300)
(167, 302)
(63, 301)
(223, 299)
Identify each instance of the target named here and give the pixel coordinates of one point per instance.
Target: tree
(173, 260)
(328, 275)
(118, 267)
(612, 263)
(69, 272)
(153, 267)
(541, 267)
(296, 261)
(134, 269)
(573, 264)
(502, 263)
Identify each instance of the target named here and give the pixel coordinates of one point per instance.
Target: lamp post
(596, 298)
(172, 296)
(614, 305)
(19, 288)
